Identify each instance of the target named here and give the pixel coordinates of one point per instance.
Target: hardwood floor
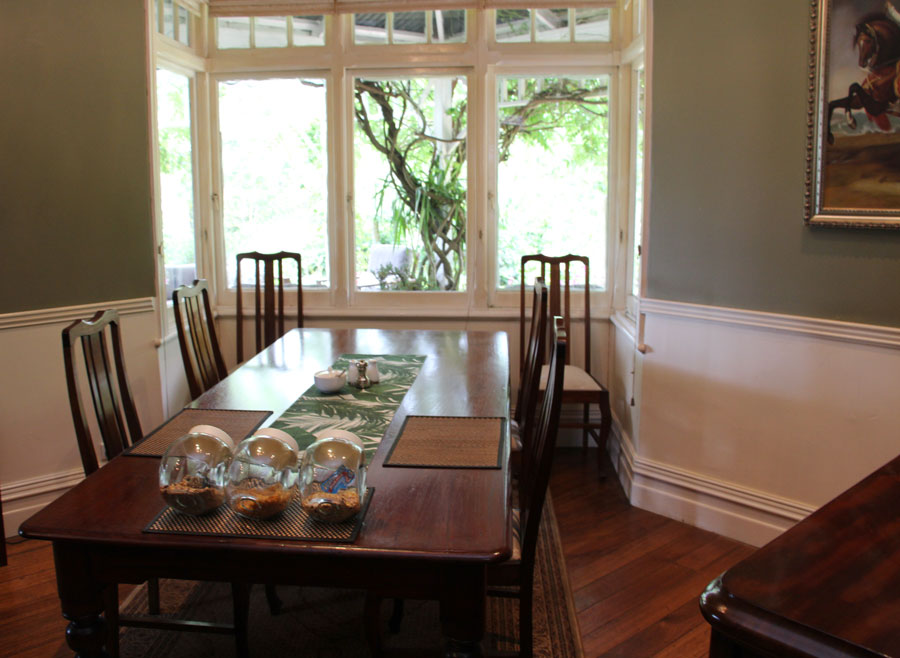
(635, 575)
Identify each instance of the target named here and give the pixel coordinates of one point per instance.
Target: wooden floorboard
(635, 575)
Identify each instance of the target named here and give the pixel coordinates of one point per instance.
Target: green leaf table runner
(365, 412)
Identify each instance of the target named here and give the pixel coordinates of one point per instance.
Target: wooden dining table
(427, 533)
(829, 587)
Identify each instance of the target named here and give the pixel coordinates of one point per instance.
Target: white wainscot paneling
(37, 441)
(750, 421)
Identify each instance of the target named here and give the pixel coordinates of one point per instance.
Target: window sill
(625, 323)
(400, 313)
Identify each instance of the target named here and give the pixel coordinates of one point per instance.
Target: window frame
(601, 298)
(225, 294)
(176, 57)
(481, 59)
(377, 298)
(631, 299)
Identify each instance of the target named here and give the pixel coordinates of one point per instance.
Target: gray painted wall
(74, 166)
(728, 158)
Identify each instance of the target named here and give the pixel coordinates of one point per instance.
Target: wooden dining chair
(202, 357)
(513, 578)
(268, 290)
(119, 428)
(581, 386)
(529, 377)
(200, 353)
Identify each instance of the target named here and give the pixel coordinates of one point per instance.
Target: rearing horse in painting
(877, 39)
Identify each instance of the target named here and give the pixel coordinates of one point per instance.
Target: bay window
(411, 157)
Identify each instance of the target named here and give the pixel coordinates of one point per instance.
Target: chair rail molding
(69, 313)
(851, 332)
(741, 513)
(22, 498)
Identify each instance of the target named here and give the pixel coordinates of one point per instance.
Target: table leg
(81, 598)
(463, 611)
(721, 646)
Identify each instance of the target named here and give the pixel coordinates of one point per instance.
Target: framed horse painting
(853, 145)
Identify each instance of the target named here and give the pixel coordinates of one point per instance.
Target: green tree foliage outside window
(411, 149)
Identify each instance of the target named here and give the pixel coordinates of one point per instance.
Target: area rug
(328, 623)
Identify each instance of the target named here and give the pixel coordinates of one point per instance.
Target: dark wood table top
(459, 515)
(829, 586)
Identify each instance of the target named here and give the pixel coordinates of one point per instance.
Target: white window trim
(338, 61)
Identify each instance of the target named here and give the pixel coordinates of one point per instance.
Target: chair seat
(574, 379)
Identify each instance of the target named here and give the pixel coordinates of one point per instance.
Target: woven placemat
(293, 523)
(238, 424)
(448, 442)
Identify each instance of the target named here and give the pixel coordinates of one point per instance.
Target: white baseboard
(23, 498)
(746, 515)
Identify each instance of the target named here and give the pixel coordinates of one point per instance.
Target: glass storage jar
(194, 469)
(263, 474)
(332, 479)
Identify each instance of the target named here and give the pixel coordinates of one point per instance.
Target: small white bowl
(330, 381)
(340, 434)
(212, 430)
(273, 433)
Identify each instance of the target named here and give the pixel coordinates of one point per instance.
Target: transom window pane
(551, 24)
(308, 30)
(370, 28)
(270, 32)
(552, 146)
(449, 26)
(410, 27)
(168, 19)
(410, 183)
(184, 23)
(592, 25)
(513, 25)
(233, 32)
(274, 169)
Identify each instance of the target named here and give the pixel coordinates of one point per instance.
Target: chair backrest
(114, 407)
(200, 353)
(538, 456)
(530, 376)
(269, 308)
(557, 272)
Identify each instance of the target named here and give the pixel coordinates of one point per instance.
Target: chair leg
(526, 630)
(153, 596)
(111, 612)
(396, 617)
(273, 599)
(240, 595)
(585, 419)
(372, 617)
(605, 424)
